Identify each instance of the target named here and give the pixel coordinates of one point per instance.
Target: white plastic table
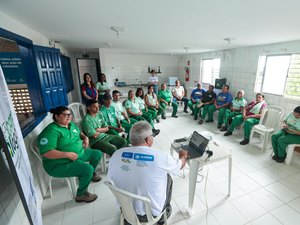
(219, 153)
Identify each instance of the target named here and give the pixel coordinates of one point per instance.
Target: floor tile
(286, 215)
(282, 192)
(265, 220)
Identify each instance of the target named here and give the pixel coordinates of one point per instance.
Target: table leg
(194, 167)
(229, 174)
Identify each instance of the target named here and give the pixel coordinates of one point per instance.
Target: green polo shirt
(238, 103)
(141, 102)
(102, 87)
(89, 125)
(292, 122)
(109, 115)
(132, 105)
(119, 109)
(56, 137)
(165, 95)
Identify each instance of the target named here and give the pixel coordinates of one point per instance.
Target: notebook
(196, 146)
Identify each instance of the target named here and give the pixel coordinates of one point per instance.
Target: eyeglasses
(67, 114)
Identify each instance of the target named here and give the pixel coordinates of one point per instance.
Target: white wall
(133, 68)
(239, 66)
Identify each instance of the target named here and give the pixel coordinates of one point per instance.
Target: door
(90, 66)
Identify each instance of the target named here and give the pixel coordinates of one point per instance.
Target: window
(279, 75)
(210, 70)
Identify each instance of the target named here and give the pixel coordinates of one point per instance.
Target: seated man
(165, 98)
(207, 100)
(221, 103)
(288, 135)
(236, 108)
(147, 174)
(196, 97)
(250, 117)
(65, 152)
(121, 114)
(178, 95)
(95, 127)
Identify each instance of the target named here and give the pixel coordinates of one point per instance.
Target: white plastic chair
(267, 124)
(126, 199)
(289, 153)
(71, 181)
(78, 110)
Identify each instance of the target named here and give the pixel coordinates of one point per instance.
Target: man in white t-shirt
(178, 95)
(145, 171)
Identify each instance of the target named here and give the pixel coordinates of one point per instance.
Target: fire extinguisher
(187, 73)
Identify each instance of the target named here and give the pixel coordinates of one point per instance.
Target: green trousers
(204, 111)
(174, 106)
(212, 109)
(229, 115)
(146, 116)
(280, 141)
(193, 105)
(127, 126)
(157, 112)
(248, 124)
(110, 143)
(78, 168)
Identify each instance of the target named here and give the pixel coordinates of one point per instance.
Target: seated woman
(65, 152)
(133, 110)
(88, 88)
(165, 98)
(236, 108)
(289, 134)
(139, 97)
(152, 103)
(250, 117)
(95, 127)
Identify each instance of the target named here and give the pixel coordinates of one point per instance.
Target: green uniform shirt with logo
(109, 115)
(141, 102)
(238, 103)
(119, 109)
(102, 87)
(89, 125)
(56, 137)
(165, 95)
(133, 105)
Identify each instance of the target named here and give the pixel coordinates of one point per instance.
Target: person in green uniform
(121, 114)
(289, 134)
(236, 108)
(139, 96)
(102, 87)
(65, 151)
(165, 99)
(95, 127)
(133, 110)
(152, 103)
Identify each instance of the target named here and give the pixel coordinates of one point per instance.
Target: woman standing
(152, 103)
(289, 134)
(65, 152)
(88, 88)
(102, 87)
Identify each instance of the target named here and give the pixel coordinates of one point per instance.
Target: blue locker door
(51, 77)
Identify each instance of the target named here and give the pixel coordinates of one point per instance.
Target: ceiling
(159, 26)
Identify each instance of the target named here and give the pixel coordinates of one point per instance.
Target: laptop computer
(196, 146)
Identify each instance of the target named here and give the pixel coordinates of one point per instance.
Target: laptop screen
(197, 140)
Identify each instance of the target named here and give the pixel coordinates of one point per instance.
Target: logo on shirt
(43, 141)
(126, 161)
(74, 131)
(125, 168)
(143, 157)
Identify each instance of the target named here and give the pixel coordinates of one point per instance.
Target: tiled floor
(263, 192)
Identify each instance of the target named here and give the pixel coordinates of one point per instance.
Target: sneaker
(209, 121)
(174, 116)
(86, 197)
(96, 178)
(219, 126)
(155, 132)
(275, 157)
(228, 133)
(224, 128)
(157, 120)
(185, 111)
(245, 141)
(163, 117)
(200, 121)
(280, 160)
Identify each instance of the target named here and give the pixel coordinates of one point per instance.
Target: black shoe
(219, 126)
(157, 120)
(280, 160)
(195, 117)
(228, 133)
(185, 111)
(200, 121)
(209, 121)
(275, 157)
(174, 116)
(245, 141)
(192, 114)
(224, 128)
(155, 132)
(163, 117)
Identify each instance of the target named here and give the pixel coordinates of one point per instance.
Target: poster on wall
(16, 154)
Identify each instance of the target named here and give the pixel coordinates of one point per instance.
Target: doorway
(91, 66)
